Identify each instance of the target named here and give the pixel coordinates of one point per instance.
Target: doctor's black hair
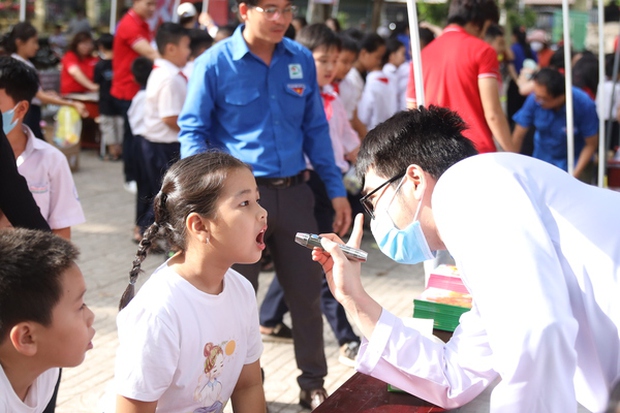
(476, 12)
(193, 184)
(31, 266)
(19, 81)
(429, 137)
(318, 35)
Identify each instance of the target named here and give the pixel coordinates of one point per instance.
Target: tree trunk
(376, 15)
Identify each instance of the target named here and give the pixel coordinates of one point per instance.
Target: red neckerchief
(336, 86)
(327, 104)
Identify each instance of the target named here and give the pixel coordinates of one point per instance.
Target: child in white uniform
(45, 168)
(189, 340)
(44, 323)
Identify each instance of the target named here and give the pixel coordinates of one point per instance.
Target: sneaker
(131, 187)
(311, 399)
(280, 333)
(348, 353)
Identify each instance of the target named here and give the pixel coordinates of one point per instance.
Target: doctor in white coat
(538, 250)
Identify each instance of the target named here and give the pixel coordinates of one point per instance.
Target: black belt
(280, 183)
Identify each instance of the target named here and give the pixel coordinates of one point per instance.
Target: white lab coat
(540, 253)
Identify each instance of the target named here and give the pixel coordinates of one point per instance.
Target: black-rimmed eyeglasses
(366, 202)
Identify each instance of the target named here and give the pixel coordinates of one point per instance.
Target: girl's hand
(343, 276)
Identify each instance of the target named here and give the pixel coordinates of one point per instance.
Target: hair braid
(149, 236)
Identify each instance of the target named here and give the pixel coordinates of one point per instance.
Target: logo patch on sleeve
(297, 88)
(294, 71)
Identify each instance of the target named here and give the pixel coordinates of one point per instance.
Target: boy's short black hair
(391, 46)
(199, 40)
(493, 31)
(553, 80)
(371, 42)
(318, 35)
(429, 137)
(18, 80)
(141, 70)
(477, 12)
(349, 44)
(426, 36)
(248, 2)
(106, 41)
(169, 33)
(355, 34)
(229, 29)
(31, 265)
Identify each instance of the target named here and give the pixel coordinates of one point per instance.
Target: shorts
(111, 128)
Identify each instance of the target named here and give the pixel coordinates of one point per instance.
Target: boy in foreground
(44, 323)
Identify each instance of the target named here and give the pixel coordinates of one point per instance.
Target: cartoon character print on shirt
(209, 388)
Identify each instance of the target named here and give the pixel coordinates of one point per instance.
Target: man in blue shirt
(545, 109)
(255, 95)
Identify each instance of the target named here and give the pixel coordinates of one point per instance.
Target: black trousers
(156, 158)
(274, 307)
(291, 210)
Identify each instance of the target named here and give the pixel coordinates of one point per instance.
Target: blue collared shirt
(550, 137)
(266, 116)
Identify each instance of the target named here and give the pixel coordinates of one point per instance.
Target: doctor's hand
(343, 276)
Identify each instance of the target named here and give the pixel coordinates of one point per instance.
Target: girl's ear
(197, 227)
(22, 337)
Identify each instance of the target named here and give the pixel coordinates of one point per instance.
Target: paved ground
(106, 255)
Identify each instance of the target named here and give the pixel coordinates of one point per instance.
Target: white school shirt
(344, 139)
(540, 253)
(188, 69)
(183, 347)
(165, 94)
(49, 179)
(400, 75)
(135, 113)
(38, 396)
(606, 89)
(350, 90)
(379, 100)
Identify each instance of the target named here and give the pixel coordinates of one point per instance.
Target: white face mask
(405, 246)
(536, 46)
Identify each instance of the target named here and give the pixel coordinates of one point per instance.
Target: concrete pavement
(106, 255)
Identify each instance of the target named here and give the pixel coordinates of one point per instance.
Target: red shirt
(452, 65)
(131, 29)
(87, 65)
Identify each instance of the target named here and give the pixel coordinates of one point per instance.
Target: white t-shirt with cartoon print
(38, 396)
(183, 347)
